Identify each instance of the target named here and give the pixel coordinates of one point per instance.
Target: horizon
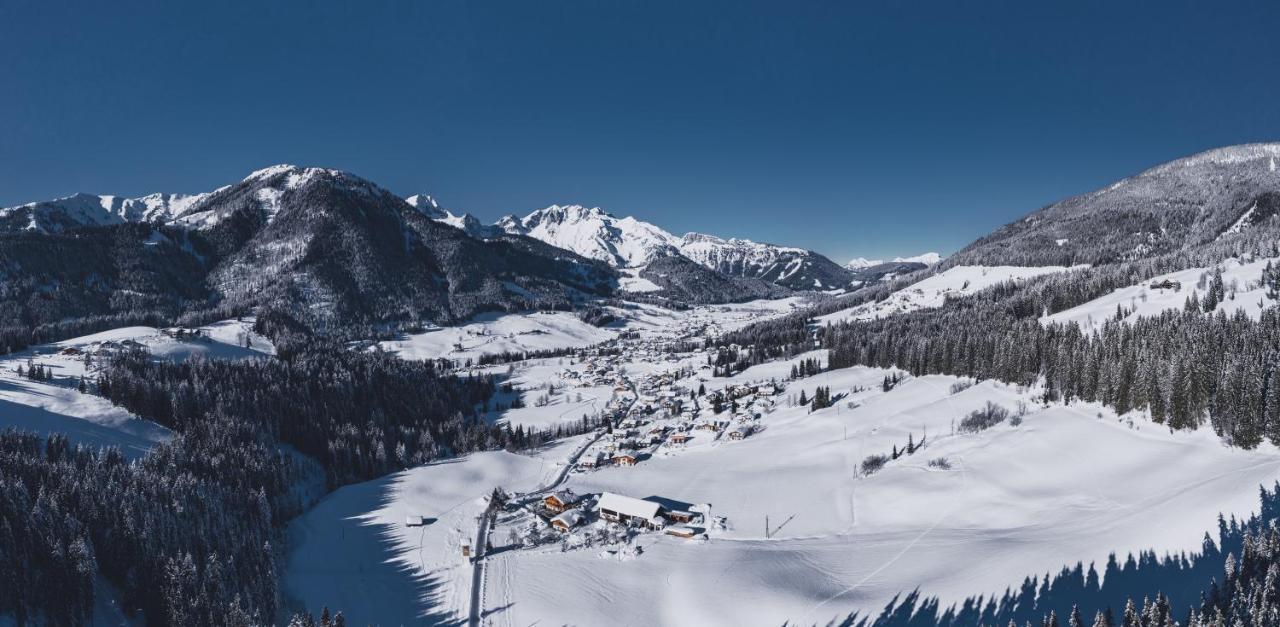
(818, 127)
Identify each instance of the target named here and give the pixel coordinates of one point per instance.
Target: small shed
(415, 521)
(682, 531)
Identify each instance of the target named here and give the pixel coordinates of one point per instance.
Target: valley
(573, 418)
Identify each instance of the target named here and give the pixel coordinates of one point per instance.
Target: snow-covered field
(1146, 299)
(57, 406)
(353, 550)
(1071, 483)
(933, 291)
(495, 333)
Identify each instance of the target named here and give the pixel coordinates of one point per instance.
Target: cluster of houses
(567, 511)
(664, 416)
(103, 349)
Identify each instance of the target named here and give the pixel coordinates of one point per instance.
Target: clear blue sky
(875, 130)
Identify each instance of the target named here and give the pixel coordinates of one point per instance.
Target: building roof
(570, 518)
(564, 496)
(629, 506)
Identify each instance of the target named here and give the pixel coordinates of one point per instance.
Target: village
(662, 401)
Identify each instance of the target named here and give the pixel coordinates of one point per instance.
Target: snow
(928, 259)
(493, 333)
(595, 234)
(1143, 300)
(1070, 483)
(352, 551)
(933, 291)
(57, 406)
(630, 281)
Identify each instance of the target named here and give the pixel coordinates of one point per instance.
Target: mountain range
(331, 247)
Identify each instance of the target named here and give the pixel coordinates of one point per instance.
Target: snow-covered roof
(565, 496)
(628, 506)
(570, 518)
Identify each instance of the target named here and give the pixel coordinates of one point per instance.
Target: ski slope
(932, 292)
(1242, 280)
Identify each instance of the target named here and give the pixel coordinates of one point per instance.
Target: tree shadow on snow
(1180, 577)
(392, 579)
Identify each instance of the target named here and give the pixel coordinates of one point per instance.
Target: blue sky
(855, 129)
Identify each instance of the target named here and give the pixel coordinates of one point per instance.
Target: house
(740, 433)
(70, 350)
(680, 438)
(624, 459)
(567, 520)
(626, 510)
(561, 501)
(591, 460)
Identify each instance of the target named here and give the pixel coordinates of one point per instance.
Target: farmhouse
(560, 501)
(567, 520)
(679, 438)
(624, 459)
(627, 510)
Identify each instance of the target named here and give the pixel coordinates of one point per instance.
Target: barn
(627, 510)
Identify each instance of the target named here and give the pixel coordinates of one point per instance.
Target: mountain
(328, 246)
(332, 246)
(885, 270)
(795, 268)
(468, 223)
(1176, 207)
(56, 216)
(592, 233)
(927, 259)
(631, 243)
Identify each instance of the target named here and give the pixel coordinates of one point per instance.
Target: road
(486, 520)
(477, 565)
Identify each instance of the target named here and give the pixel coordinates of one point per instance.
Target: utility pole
(766, 526)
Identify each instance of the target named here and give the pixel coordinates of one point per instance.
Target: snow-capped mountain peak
(59, 214)
(928, 259)
(593, 233)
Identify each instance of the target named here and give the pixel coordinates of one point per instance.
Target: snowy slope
(466, 222)
(933, 291)
(55, 216)
(927, 259)
(1242, 281)
(58, 407)
(493, 333)
(354, 552)
(1017, 501)
(631, 243)
(592, 233)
